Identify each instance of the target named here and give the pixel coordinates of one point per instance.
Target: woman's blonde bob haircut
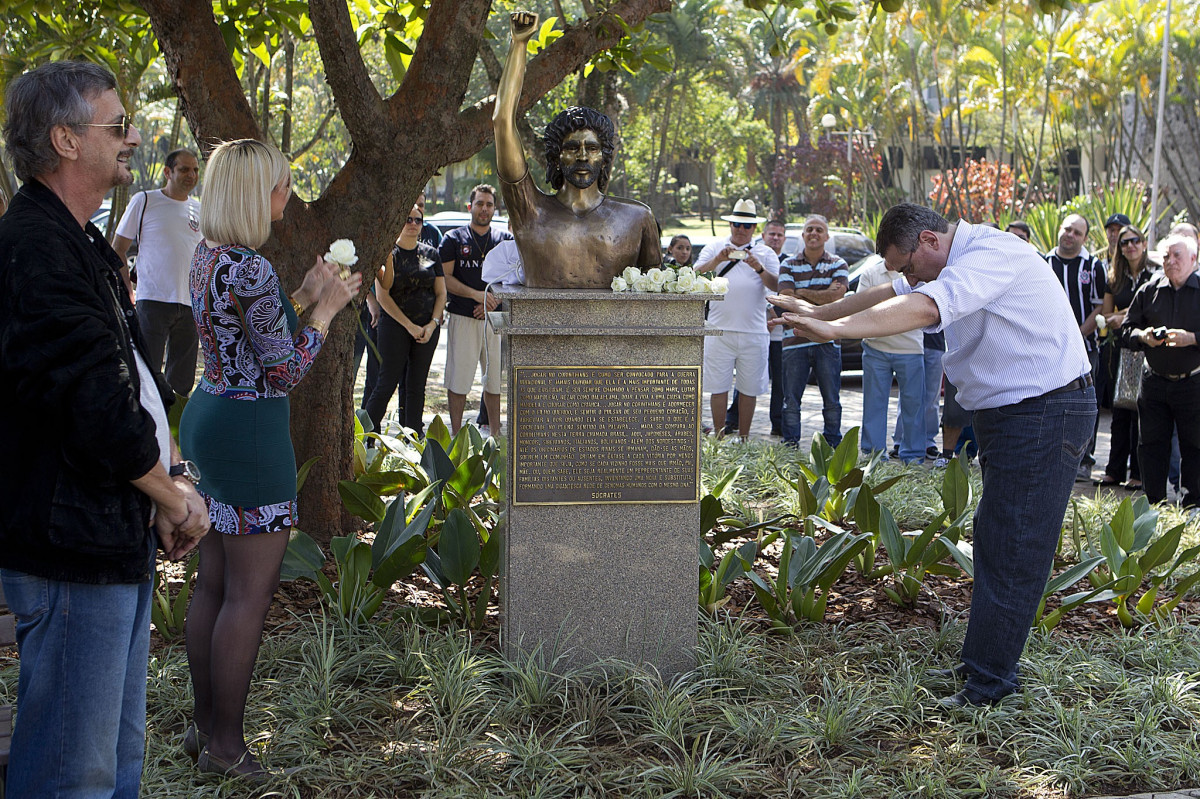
(238, 181)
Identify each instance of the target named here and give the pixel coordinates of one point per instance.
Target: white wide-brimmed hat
(744, 211)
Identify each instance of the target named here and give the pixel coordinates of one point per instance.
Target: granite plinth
(588, 581)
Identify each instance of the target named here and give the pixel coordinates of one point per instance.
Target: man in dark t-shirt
(470, 340)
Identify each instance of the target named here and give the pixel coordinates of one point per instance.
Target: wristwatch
(187, 470)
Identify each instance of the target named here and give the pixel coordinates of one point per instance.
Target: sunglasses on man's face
(125, 124)
(743, 225)
(1130, 242)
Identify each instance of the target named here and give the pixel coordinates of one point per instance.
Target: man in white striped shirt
(1015, 353)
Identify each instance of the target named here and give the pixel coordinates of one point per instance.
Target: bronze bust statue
(578, 237)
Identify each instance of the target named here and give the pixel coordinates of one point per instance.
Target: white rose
(686, 282)
(658, 277)
(642, 283)
(342, 252)
(620, 284)
(630, 274)
(702, 286)
(720, 285)
(671, 287)
(687, 270)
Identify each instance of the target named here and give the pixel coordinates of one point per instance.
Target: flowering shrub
(668, 280)
(971, 192)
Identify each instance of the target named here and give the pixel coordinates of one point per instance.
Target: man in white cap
(741, 349)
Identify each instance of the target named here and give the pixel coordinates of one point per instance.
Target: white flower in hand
(342, 253)
(620, 284)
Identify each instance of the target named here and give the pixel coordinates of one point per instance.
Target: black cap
(1117, 219)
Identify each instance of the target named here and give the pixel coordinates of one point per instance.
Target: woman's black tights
(235, 583)
(405, 363)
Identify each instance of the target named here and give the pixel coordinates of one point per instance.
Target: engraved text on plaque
(584, 434)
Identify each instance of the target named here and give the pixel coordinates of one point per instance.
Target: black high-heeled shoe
(194, 742)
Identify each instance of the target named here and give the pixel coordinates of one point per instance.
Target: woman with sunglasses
(236, 429)
(1129, 269)
(411, 290)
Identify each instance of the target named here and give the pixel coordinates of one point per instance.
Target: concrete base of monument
(602, 493)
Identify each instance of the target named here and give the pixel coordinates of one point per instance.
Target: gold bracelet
(319, 326)
(297, 307)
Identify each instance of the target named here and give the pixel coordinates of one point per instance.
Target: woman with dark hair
(236, 429)
(1129, 269)
(679, 251)
(412, 292)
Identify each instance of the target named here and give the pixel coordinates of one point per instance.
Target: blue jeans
(1029, 452)
(798, 363)
(930, 402)
(878, 368)
(81, 691)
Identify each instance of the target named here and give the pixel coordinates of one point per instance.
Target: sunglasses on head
(1129, 242)
(414, 220)
(125, 124)
(743, 225)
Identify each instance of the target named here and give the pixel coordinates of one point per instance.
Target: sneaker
(941, 462)
(1083, 474)
(933, 453)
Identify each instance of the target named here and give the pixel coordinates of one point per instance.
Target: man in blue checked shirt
(1014, 351)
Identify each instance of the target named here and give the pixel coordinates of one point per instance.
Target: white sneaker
(941, 462)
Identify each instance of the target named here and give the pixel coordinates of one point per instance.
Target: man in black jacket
(90, 481)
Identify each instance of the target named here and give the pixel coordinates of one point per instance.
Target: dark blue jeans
(798, 363)
(1029, 452)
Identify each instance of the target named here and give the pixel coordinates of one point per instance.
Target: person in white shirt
(901, 355)
(741, 349)
(1013, 349)
(166, 225)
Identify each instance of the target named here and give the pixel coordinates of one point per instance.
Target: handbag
(1129, 379)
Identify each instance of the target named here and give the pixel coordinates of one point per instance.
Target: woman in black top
(412, 292)
(1129, 269)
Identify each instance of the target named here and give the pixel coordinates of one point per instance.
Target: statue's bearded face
(581, 158)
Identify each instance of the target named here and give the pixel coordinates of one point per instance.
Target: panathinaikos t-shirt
(467, 249)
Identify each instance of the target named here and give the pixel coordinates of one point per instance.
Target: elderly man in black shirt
(1163, 320)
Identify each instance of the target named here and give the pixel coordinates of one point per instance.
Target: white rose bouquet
(668, 280)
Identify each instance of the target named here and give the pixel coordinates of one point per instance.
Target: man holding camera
(1163, 320)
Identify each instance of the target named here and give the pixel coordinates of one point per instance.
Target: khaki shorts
(470, 343)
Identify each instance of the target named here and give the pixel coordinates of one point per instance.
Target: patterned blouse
(245, 335)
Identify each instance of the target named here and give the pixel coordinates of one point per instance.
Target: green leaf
(470, 478)
(845, 457)
(386, 484)
(458, 547)
(1122, 525)
(361, 501)
(705, 553)
(726, 480)
(1072, 575)
(956, 489)
(489, 556)
(437, 431)
(963, 554)
(1161, 550)
(302, 472)
(807, 500)
(302, 558)
(436, 463)
(710, 511)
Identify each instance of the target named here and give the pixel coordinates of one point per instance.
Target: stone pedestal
(603, 476)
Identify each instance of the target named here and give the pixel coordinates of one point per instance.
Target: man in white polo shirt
(741, 349)
(166, 225)
(1014, 351)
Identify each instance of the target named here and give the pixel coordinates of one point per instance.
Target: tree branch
(357, 98)
(201, 72)
(316, 137)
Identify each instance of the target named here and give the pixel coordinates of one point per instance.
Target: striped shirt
(1083, 278)
(797, 273)
(1010, 334)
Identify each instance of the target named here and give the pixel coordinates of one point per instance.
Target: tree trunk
(367, 200)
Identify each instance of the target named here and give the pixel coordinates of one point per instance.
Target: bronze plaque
(605, 434)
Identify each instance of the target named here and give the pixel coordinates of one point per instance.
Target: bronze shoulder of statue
(576, 237)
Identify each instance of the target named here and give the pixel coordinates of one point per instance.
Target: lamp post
(829, 122)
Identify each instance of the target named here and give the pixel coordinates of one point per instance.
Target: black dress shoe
(966, 698)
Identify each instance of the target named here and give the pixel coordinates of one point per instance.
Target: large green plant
(1131, 557)
(830, 483)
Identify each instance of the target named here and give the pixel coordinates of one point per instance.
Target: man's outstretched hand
(524, 23)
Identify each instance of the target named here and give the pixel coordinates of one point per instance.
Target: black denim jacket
(73, 432)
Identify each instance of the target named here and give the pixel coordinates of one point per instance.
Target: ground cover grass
(408, 708)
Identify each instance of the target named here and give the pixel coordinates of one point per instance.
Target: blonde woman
(235, 429)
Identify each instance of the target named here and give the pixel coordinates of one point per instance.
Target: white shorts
(470, 343)
(743, 354)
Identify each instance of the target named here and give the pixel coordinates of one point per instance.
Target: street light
(829, 122)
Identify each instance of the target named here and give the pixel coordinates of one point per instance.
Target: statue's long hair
(573, 119)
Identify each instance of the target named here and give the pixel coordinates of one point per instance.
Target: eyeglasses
(125, 124)
(1130, 242)
(414, 220)
(744, 225)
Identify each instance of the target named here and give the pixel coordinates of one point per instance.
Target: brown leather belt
(1176, 378)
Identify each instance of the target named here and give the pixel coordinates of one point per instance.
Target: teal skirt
(242, 447)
